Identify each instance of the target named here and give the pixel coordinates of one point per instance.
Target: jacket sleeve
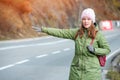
(62, 33)
(103, 46)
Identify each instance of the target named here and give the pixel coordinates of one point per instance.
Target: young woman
(85, 64)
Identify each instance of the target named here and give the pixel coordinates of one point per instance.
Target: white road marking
(8, 66)
(11, 65)
(40, 56)
(40, 44)
(66, 49)
(26, 60)
(56, 52)
(12, 47)
(23, 61)
(28, 39)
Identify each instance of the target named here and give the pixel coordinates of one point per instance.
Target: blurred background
(18, 16)
(22, 19)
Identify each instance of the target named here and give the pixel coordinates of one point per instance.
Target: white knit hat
(89, 13)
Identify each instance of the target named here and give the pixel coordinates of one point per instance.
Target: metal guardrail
(109, 64)
(116, 63)
(110, 58)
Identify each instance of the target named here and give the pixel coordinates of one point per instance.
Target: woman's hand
(91, 49)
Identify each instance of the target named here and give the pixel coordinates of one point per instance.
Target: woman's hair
(91, 31)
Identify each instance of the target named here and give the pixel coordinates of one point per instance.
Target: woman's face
(86, 21)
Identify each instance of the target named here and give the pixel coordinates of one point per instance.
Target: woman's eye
(89, 19)
(83, 19)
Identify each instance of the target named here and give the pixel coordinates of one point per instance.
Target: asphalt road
(46, 58)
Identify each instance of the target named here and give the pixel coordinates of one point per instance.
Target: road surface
(46, 58)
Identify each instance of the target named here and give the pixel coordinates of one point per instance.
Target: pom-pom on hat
(89, 13)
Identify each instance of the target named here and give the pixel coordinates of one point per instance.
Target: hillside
(18, 16)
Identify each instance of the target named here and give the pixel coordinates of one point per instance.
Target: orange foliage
(14, 18)
(55, 13)
(6, 1)
(23, 6)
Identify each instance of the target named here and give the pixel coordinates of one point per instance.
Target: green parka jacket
(84, 66)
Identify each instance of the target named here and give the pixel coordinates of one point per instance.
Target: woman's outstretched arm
(62, 33)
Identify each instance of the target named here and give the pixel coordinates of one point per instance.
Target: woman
(85, 64)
